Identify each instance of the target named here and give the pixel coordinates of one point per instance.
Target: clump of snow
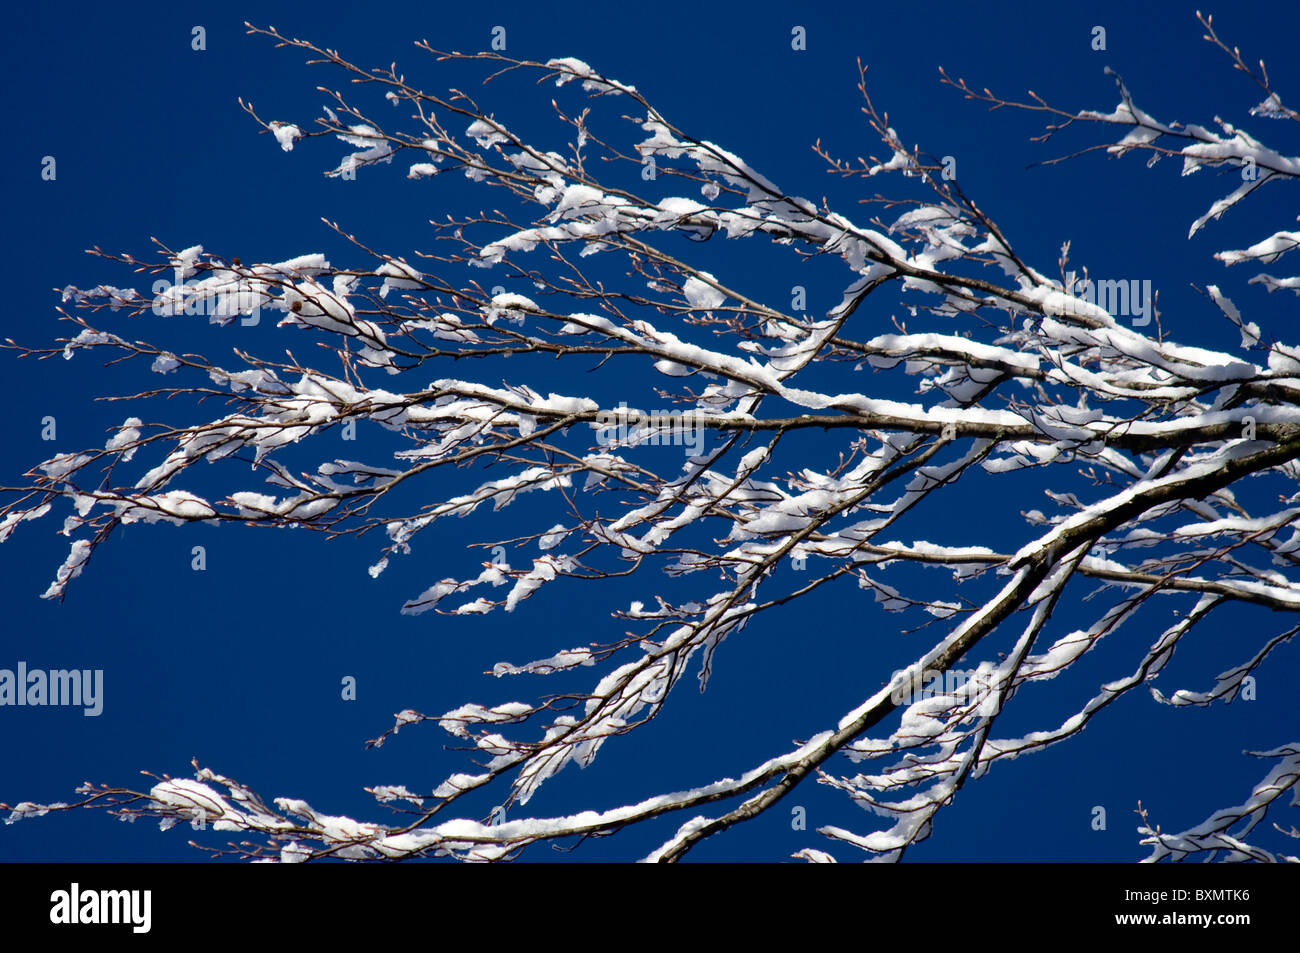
(285, 134)
(701, 294)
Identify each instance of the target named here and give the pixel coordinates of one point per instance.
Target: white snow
(285, 134)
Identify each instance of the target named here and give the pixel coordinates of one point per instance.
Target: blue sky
(239, 665)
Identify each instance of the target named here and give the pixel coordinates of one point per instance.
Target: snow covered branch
(1177, 464)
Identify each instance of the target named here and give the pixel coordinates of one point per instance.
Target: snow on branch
(1168, 470)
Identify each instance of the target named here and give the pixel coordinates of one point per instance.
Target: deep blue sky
(240, 665)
